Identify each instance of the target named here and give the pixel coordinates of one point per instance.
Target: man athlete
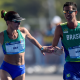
(70, 35)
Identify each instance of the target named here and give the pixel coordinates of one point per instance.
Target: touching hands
(58, 51)
(55, 50)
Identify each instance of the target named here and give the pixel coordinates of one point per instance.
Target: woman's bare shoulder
(23, 29)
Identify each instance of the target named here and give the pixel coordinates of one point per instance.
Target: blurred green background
(37, 12)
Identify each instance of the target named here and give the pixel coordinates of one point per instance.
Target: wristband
(42, 48)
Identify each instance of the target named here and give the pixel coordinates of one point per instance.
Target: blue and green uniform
(12, 47)
(71, 43)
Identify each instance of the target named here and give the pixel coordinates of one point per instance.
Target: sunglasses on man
(70, 12)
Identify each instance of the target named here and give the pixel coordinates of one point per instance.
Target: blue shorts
(13, 70)
(71, 71)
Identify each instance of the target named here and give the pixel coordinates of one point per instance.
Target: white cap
(56, 19)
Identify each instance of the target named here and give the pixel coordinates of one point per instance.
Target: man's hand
(58, 51)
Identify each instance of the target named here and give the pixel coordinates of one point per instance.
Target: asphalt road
(44, 77)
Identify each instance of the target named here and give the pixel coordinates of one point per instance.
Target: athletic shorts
(71, 71)
(13, 70)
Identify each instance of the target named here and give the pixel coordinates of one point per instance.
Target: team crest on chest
(65, 30)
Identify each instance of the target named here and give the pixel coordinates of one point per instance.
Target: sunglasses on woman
(16, 21)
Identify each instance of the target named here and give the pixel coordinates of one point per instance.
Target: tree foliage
(5, 5)
(33, 8)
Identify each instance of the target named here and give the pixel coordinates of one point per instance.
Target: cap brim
(19, 19)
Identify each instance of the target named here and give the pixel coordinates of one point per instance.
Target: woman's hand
(47, 49)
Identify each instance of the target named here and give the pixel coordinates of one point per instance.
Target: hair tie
(5, 13)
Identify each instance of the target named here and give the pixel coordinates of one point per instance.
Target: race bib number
(74, 52)
(14, 47)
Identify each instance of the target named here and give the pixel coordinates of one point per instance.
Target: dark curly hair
(70, 4)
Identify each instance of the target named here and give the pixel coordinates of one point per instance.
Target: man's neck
(73, 24)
